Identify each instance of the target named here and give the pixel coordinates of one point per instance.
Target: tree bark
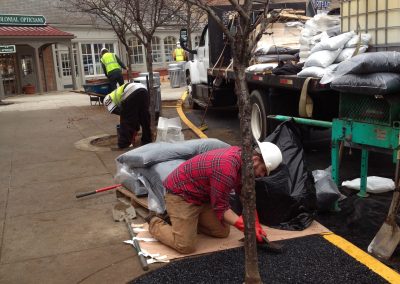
(248, 193)
(149, 65)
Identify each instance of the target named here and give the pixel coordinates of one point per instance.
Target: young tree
(242, 41)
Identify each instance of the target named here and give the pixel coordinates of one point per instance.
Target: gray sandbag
(326, 189)
(153, 153)
(156, 174)
(368, 84)
(275, 58)
(366, 63)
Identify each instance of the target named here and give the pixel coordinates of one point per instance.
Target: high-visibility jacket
(110, 62)
(179, 54)
(116, 97)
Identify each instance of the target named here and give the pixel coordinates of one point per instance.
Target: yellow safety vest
(179, 54)
(110, 61)
(116, 95)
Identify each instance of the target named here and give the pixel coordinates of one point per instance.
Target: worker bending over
(131, 102)
(112, 67)
(197, 196)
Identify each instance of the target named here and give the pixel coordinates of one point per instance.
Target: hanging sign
(22, 20)
(7, 49)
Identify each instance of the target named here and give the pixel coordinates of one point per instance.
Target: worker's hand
(259, 230)
(239, 224)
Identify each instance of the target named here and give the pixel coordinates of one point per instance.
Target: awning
(33, 32)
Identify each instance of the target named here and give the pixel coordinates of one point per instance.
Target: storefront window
(137, 49)
(156, 49)
(26, 65)
(91, 57)
(169, 46)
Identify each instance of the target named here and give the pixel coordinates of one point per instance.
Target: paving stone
(52, 196)
(57, 171)
(58, 232)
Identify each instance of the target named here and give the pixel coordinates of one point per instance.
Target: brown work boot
(150, 216)
(164, 216)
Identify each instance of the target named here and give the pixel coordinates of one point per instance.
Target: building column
(38, 70)
(72, 64)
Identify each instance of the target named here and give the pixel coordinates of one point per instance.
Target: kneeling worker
(197, 196)
(131, 102)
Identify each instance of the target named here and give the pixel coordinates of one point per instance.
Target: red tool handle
(79, 195)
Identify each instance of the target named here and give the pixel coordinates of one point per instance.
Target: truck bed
(291, 82)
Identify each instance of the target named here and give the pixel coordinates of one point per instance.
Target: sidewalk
(47, 235)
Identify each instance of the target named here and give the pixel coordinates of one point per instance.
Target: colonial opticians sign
(21, 20)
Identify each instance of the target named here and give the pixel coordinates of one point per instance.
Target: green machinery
(368, 122)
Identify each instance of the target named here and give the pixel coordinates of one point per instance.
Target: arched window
(137, 49)
(169, 46)
(156, 49)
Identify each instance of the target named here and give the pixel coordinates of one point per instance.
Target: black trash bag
(287, 199)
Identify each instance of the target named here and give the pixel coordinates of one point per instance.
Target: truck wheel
(258, 120)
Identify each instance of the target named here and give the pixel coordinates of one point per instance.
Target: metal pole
(2, 94)
(304, 121)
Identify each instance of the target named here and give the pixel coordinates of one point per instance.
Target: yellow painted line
(372, 263)
(182, 115)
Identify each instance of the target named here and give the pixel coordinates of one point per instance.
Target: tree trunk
(149, 65)
(129, 63)
(248, 192)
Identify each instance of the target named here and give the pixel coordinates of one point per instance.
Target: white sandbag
(304, 53)
(315, 71)
(322, 58)
(347, 53)
(333, 43)
(312, 71)
(261, 67)
(365, 39)
(374, 184)
(318, 38)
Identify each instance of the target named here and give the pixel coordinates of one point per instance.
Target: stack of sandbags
(324, 54)
(371, 73)
(321, 26)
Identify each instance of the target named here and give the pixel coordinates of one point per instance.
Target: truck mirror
(183, 37)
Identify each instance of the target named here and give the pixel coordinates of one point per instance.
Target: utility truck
(210, 79)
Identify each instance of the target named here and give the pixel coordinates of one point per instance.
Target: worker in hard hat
(198, 193)
(112, 67)
(131, 102)
(179, 53)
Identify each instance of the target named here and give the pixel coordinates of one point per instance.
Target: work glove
(239, 224)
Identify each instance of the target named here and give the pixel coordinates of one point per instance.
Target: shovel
(388, 236)
(123, 212)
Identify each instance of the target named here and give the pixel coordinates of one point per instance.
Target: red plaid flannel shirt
(208, 178)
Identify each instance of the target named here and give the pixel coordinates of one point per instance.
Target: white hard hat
(271, 154)
(109, 104)
(178, 43)
(103, 50)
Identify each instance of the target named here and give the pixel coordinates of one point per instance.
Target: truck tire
(258, 121)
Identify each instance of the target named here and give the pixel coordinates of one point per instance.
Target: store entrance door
(64, 66)
(7, 72)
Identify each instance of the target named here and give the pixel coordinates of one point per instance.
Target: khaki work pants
(187, 219)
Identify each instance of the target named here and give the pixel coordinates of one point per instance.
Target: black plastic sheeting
(320, 262)
(286, 199)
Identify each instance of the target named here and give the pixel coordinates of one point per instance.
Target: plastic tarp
(287, 198)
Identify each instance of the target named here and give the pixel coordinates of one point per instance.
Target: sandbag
(333, 43)
(315, 71)
(367, 63)
(274, 58)
(327, 190)
(347, 53)
(287, 199)
(368, 84)
(322, 58)
(353, 42)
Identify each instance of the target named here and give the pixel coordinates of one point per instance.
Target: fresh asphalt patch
(310, 259)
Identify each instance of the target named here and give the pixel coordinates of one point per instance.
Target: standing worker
(198, 192)
(179, 53)
(112, 67)
(131, 102)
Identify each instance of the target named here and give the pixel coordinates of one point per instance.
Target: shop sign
(7, 49)
(22, 20)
